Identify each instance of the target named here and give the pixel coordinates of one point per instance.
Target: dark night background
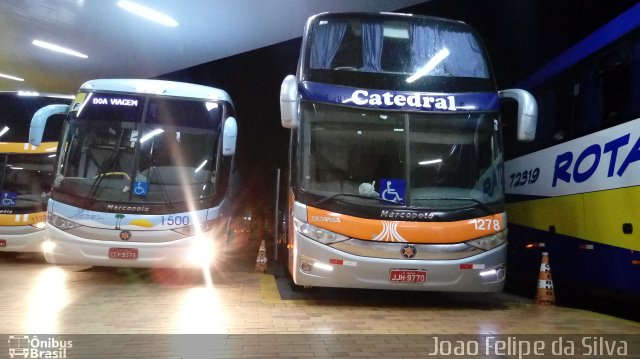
(520, 35)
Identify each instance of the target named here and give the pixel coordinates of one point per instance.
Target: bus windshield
(427, 160)
(25, 181)
(130, 148)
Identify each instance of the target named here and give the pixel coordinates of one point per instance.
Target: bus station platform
(121, 312)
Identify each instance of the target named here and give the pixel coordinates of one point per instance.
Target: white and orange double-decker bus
(25, 171)
(396, 166)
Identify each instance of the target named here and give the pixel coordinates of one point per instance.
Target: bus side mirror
(229, 136)
(39, 121)
(289, 102)
(527, 113)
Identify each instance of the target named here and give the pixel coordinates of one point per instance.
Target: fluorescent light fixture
(52, 155)
(146, 137)
(4, 130)
(430, 65)
(147, 13)
(28, 93)
(16, 168)
(58, 48)
(11, 77)
(201, 165)
(430, 162)
(398, 130)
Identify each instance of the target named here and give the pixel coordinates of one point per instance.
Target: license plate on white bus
(123, 253)
(408, 275)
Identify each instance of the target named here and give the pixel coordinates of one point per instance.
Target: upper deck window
(413, 49)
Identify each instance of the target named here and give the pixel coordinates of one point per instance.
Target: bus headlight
(318, 234)
(201, 252)
(194, 230)
(489, 242)
(61, 223)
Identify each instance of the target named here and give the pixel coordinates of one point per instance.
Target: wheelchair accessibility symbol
(140, 188)
(392, 190)
(9, 198)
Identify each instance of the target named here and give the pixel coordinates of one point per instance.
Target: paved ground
(259, 315)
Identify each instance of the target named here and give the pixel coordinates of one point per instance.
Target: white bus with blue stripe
(142, 174)
(574, 190)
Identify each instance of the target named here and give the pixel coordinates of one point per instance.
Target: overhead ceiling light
(4, 130)
(147, 13)
(58, 48)
(28, 93)
(11, 77)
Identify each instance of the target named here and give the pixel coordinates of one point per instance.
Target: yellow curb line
(269, 290)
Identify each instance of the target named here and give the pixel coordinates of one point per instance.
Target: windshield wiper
(165, 193)
(323, 200)
(478, 203)
(103, 171)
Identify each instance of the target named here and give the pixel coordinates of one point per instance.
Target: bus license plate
(408, 275)
(123, 253)
(3, 243)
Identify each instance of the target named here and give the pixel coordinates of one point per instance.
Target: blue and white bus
(396, 165)
(25, 170)
(142, 174)
(575, 189)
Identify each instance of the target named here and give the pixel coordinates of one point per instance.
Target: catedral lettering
(419, 101)
(407, 163)
(588, 161)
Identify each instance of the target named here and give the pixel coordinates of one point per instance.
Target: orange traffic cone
(261, 261)
(545, 295)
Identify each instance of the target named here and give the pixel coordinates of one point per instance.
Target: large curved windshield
(437, 161)
(124, 148)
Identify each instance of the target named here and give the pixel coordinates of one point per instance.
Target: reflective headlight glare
(489, 242)
(201, 252)
(318, 234)
(39, 225)
(191, 230)
(61, 223)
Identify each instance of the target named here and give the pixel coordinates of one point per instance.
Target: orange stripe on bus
(405, 231)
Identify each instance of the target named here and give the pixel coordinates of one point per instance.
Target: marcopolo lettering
(589, 159)
(112, 207)
(405, 215)
(416, 100)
